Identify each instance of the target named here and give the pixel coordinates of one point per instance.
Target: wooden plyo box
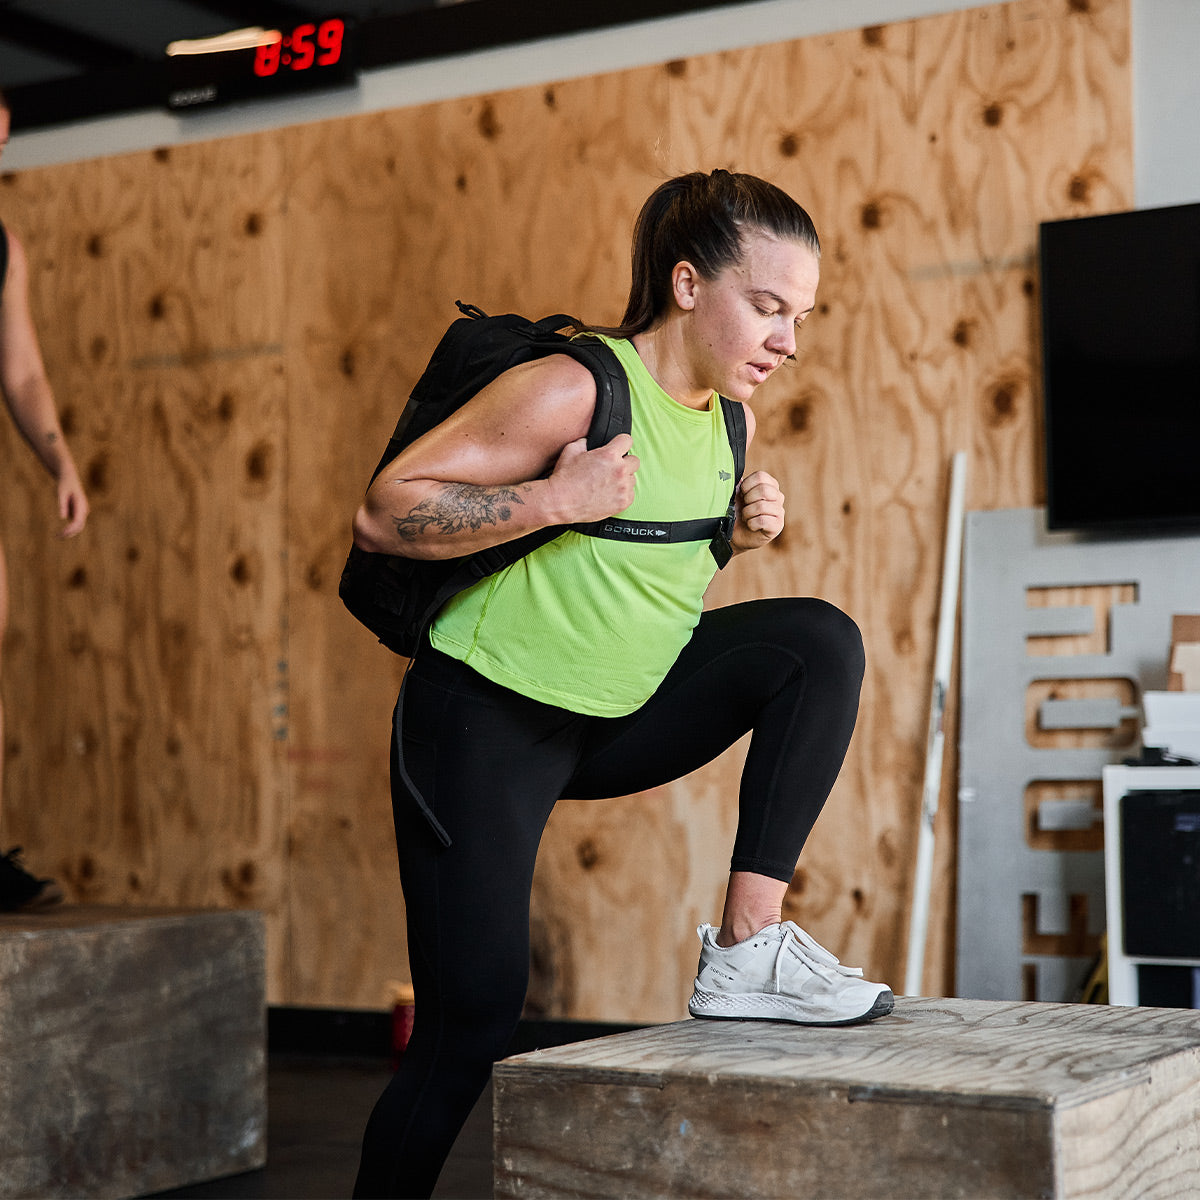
(132, 1049)
(963, 1098)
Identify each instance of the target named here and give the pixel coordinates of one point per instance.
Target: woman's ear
(683, 285)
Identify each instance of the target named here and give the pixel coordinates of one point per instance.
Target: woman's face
(744, 322)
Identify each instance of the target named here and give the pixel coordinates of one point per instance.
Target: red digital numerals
(308, 45)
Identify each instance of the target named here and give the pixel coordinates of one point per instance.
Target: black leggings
(491, 765)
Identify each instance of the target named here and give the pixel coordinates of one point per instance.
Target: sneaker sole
(49, 896)
(761, 1006)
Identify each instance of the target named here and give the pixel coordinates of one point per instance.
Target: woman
(588, 670)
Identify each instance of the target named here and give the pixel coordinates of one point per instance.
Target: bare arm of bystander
(27, 392)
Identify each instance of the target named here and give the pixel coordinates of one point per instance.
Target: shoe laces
(796, 943)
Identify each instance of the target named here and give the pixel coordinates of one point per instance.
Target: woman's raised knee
(812, 626)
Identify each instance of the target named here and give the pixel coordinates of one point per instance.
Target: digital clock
(250, 63)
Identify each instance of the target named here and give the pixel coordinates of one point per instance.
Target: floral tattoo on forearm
(459, 506)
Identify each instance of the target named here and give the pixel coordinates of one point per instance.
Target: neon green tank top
(593, 625)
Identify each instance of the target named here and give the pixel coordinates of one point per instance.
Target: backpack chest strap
(617, 529)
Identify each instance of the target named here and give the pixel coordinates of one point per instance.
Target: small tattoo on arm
(456, 507)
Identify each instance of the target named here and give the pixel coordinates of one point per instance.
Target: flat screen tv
(1120, 316)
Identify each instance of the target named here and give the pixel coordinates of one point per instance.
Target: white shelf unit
(1118, 782)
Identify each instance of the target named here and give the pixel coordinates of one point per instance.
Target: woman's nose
(783, 340)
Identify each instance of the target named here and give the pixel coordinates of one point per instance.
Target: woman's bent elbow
(366, 532)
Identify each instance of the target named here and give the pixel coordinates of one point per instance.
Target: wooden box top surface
(74, 917)
(988, 1052)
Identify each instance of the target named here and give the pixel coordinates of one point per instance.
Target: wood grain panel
(149, 659)
(144, 689)
(354, 355)
(232, 328)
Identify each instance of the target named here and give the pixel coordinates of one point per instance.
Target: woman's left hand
(759, 511)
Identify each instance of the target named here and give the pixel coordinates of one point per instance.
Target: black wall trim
(460, 28)
(367, 1034)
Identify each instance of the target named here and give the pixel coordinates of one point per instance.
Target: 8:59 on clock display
(309, 45)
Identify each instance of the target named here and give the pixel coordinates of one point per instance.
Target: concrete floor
(316, 1113)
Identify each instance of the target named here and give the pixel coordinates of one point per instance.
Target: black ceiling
(68, 60)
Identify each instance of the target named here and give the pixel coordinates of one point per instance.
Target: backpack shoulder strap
(612, 414)
(735, 426)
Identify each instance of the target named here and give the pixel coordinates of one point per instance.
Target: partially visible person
(30, 402)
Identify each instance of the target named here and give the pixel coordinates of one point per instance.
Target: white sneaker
(782, 974)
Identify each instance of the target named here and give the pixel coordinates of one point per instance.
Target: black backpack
(397, 598)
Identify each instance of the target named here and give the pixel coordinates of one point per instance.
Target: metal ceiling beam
(54, 40)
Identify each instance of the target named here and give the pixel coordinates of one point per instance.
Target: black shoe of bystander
(22, 892)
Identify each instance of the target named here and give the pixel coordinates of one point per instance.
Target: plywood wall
(231, 328)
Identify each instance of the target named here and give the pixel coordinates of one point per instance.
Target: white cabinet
(1119, 781)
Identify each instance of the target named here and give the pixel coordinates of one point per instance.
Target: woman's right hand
(589, 485)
